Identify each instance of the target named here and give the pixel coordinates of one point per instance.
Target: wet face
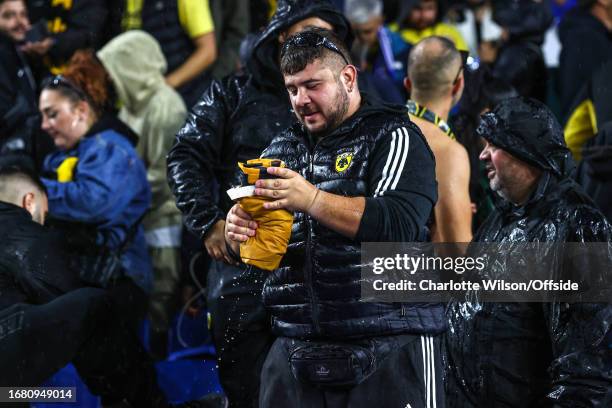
(424, 14)
(14, 20)
(63, 119)
(319, 97)
(367, 32)
(310, 22)
(508, 176)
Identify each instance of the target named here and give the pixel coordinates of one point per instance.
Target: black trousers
(241, 330)
(410, 377)
(93, 329)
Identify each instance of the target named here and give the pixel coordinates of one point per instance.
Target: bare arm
(453, 211)
(203, 56)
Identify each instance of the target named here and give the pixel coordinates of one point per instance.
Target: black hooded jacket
(236, 119)
(316, 292)
(32, 267)
(21, 141)
(533, 354)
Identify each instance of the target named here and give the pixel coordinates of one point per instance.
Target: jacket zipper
(309, 261)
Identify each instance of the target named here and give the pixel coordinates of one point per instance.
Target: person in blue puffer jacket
(96, 177)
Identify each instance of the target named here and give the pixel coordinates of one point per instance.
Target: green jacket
(151, 108)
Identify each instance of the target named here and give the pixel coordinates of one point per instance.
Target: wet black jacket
(316, 291)
(533, 354)
(32, 267)
(235, 120)
(586, 45)
(20, 138)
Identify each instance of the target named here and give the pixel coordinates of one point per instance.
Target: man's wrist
(313, 207)
(231, 252)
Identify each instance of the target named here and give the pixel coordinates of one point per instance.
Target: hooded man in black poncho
(532, 354)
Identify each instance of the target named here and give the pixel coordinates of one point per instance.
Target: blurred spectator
(592, 108)
(595, 170)
(51, 319)
(520, 61)
(481, 93)
(21, 141)
(60, 27)
(379, 52)
(96, 183)
(423, 18)
(435, 82)
(234, 121)
(474, 20)
(231, 19)
(185, 31)
(155, 112)
(586, 40)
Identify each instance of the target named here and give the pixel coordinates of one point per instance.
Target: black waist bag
(339, 365)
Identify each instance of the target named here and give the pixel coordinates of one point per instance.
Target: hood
(136, 65)
(528, 130)
(579, 20)
(262, 62)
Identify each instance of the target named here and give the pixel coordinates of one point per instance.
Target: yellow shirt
(412, 36)
(194, 16)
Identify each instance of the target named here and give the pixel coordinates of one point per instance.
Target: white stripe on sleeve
(385, 172)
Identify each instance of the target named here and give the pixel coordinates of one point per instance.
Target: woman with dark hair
(481, 93)
(97, 185)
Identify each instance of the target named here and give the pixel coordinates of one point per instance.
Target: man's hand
(38, 48)
(214, 242)
(239, 226)
(291, 191)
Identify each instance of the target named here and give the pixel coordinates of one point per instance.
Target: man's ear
(458, 85)
(349, 77)
(28, 203)
(407, 84)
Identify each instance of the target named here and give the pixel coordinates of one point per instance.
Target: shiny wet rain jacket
(533, 354)
(236, 119)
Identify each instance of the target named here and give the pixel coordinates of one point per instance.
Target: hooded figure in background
(155, 111)
(531, 354)
(234, 121)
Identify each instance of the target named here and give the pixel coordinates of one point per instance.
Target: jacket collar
(110, 122)
(11, 210)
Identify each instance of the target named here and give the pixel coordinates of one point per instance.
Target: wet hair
(12, 182)
(430, 69)
(84, 79)
(307, 46)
